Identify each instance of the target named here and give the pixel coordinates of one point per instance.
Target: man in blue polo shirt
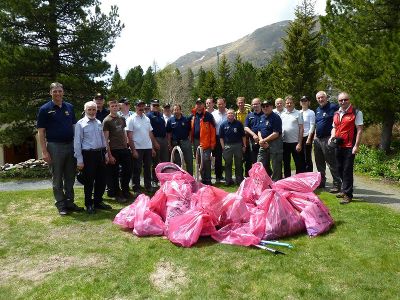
(178, 129)
(233, 143)
(270, 140)
(159, 131)
(251, 127)
(55, 124)
(324, 154)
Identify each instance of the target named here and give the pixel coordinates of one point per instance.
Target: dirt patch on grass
(36, 269)
(168, 277)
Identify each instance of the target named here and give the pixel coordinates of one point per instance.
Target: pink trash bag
(233, 210)
(314, 212)
(168, 171)
(184, 230)
(251, 188)
(236, 234)
(126, 217)
(146, 221)
(158, 203)
(178, 194)
(302, 182)
(282, 219)
(209, 199)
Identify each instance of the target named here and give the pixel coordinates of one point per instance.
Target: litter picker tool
(269, 249)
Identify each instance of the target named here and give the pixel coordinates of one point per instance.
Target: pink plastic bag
(315, 214)
(184, 230)
(178, 194)
(146, 221)
(282, 219)
(209, 199)
(257, 221)
(234, 210)
(302, 182)
(168, 171)
(251, 188)
(236, 234)
(126, 217)
(158, 203)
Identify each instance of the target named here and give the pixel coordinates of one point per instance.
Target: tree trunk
(386, 136)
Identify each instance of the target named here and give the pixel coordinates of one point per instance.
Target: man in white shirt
(308, 134)
(210, 105)
(220, 116)
(292, 132)
(141, 141)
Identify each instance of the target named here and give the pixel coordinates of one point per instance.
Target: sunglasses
(343, 100)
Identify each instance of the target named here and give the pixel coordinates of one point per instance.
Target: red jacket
(207, 131)
(346, 128)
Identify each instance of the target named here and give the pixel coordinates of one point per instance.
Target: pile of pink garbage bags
(184, 209)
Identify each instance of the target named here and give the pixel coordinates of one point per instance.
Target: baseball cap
(167, 105)
(304, 98)
(155, 102)
(98, 96)
(124, 100)
(266, 103)
(199, 101)
(139, 101)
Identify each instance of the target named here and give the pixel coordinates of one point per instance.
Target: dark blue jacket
(324, 119)
(158, 123)
(231, 132)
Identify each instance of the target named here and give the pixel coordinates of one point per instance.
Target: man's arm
(300, 140)
(111, 158)
(78, 147)
(252, 134)
(156, 145)
(358, 139)
(131, 143)
(42, 141)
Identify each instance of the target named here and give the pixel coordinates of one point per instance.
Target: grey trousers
(230, 152)
(206, 171)
(268, 158)
(62, 168)
(162, 155)
(186, 147)
(325, 155)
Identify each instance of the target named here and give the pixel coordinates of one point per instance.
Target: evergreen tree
(271, 79)
(149, 86)
(362, 57)
(208, 89)
(244, 80)
(201, 78)
(189, 82)
(46, 41)
(224, 84)
(134, 79)
(119, 87)
(301, 68)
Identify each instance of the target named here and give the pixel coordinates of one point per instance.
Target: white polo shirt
(219, 118)
(309, 121)
(141, 127)
(290, 125)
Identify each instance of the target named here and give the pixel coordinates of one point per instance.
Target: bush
(28, 173)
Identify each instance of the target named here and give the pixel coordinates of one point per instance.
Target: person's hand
(135, 154)
(244, 149)
(255, 138)
(80, 166)
(355, 150)
(111, 159)
(156, 146)
(298, 147)
(46, 156)
(308, 142)
(153, 152)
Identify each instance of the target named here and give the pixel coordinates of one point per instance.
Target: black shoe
(90, 209)
(136, 188)
(218, 179)
(102, 205)
(62, 211)
(111, 194)
(229, 183)
(150, 190)
(334, 190)
(75, 208)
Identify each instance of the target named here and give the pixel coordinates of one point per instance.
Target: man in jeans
(55, 123)
(323, 153)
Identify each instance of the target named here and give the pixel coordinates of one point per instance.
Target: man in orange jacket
(203, 134)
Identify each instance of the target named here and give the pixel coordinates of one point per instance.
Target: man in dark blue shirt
(55, 124)
(233, 143)
(102, 112)
(178, 129)
(251, 127)
(270, 140)
(324, 154)
(158, 123)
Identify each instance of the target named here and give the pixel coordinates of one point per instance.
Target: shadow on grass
(99, 215)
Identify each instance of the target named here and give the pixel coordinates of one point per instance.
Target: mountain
(257, 48)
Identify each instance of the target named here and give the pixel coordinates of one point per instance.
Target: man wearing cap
(241, 115)
(270, 140)
(203, 134)
(178, 130)
(125, 106)
(323, 153)
(347, 130)
(308, 134)
(220, 116)
(233, 142)
(292, 132)
(55, 124)
(251, 128)
(159, 131)
(147, 108)
(167, 112)
(90, 153)
(142, 143)
(102, 112)
(118, 154)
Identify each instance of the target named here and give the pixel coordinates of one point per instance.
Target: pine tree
(149, 86)
(134, 79)
(224, 84)
(244, 80)
(362, 56)
(201, 77)
(208, 89)
(46, 41)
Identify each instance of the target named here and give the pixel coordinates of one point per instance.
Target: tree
(362, 57)
(244, 80)
(149, 86)
(134, 79)
(46, 41)
(208, 89)
(224, 84)
(119, 87)
(301, 68)
(271, 80)
(201, 77)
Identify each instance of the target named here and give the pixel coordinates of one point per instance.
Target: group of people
(111, 147)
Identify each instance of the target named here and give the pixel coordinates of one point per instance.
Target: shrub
(28, 173)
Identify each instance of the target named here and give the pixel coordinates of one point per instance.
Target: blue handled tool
(276, 243)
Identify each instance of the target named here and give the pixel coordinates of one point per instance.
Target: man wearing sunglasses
(346, 134)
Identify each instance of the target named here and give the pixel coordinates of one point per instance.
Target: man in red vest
(346, 135)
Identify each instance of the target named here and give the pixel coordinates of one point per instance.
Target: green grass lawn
(44, 256)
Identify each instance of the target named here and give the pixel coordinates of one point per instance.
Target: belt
(94, 150)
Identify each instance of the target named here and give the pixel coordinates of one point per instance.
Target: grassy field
(44, 256)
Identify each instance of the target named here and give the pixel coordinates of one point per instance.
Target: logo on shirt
(66, 113)
(235, 130)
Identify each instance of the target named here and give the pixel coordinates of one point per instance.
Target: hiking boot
(334, 190)
(346, 200)
(62, 211)
(340, 195)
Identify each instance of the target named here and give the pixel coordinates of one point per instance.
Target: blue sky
(164, 30)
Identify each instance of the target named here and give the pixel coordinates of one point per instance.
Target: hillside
(256, 47)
